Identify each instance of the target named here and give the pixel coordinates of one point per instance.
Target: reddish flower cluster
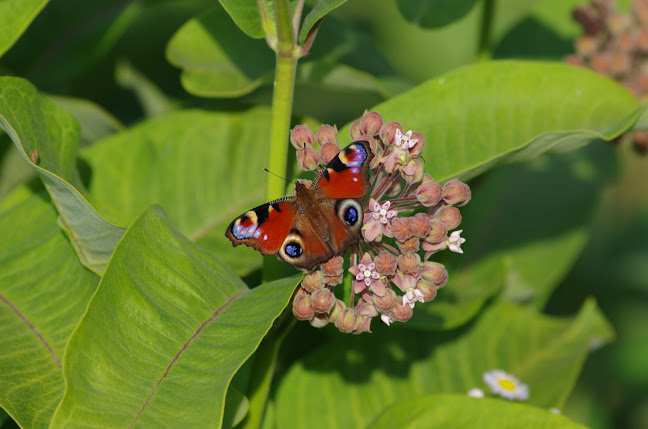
(616, 45)
(407, 217)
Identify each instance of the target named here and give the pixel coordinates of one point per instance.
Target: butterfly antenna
(276, 175)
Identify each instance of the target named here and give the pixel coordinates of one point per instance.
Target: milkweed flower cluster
(615, 44)
(407, 218)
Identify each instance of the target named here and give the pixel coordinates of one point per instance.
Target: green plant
(122, 303)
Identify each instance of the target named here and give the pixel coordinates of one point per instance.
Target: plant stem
(484, 53)
(265, 359)
(282, 97)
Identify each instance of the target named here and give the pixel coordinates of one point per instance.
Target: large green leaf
(373, 371)
(455, 411)
(203, 168)
(165, 332)
(480, 115)
(15, 17)
(434, 13)
(35, 125)
(44, 291)
(217, 59)
(536, 216)
(469, 287)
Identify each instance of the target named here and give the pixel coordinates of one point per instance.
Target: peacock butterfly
(318, 222)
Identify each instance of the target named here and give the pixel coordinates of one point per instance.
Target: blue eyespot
(293, 250)
(351, 216)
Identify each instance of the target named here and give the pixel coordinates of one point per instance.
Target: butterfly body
(318, 222)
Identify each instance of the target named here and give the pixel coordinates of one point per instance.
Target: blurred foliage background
(116, 55)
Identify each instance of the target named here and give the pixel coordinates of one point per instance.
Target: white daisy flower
(506, 385)
(476, 392)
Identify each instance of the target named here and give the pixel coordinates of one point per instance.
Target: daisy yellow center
(506, 384)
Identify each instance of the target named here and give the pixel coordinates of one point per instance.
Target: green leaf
(469, 287)
(236, 407)
(461, 411)
(217, 59)
(319, 11)
(434, 13)
(15, 17)
(35, 124)
(246, 15)
(536, 216)
(165, 332)
(44, 291)
(371, 372)
(96, 122)
(203, 168)
(478, 116)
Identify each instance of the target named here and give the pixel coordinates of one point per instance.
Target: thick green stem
(484, 53)
(287, 55)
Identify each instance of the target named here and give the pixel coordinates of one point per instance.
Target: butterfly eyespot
(294, 250)
(350, 216)
(350, 212)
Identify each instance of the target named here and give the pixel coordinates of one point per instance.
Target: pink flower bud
(385, 263)
(386, 302)
(400, 312)
(438, 232)
(450, 216)
(333, 280)
(322, 300)
(401, 228)
(354, 130)
(409, 263)
(319, 320)
(327, 134)
(420, 224)
(301, 137)
(642, 40)
(420, 142)
(433, 274)
(620, 64)
(308, 158)
(409, 246)
(313, 281)
(413, 171)
(333, 267)
(371, 123)
(586, 46)
(456, 193)
(302, 307)
(601, 63)
(429, 193)
(429, 292)
(388, 132)
(364, 325)
(328, 151)
(347, 320)
(336, 310)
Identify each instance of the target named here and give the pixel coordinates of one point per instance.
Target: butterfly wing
(346, 175)
(317, 223)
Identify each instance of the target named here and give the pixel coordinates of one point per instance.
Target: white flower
(506, 385)
(381, 213)
(476, 392)
(455, 241)
(411, 296)
(386, 319)
(404, 141)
